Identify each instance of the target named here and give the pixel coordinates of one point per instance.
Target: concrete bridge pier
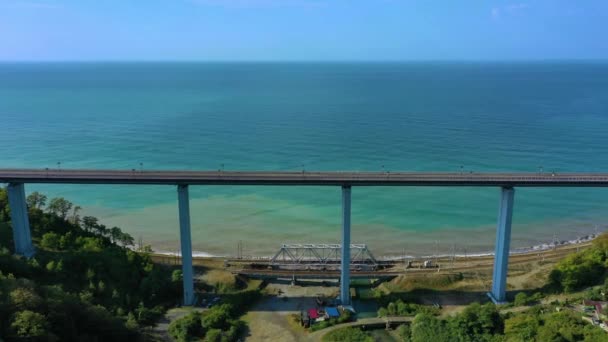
(345, 248)
(503, 242)
(186, 243)
(19, 219)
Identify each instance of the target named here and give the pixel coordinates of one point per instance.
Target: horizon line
(514, 60)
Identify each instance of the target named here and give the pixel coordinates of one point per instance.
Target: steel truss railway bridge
(16, 178)
(315, 254)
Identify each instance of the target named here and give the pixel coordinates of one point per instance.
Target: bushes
(218, 317)
(322, 325)
(553, 326)
(484, 323)
(400, 308)
(581, 269)
(522, 298)
(183, 329)
(220, 323)
(426, 328)
(30, 325)
(404, 332)
(50, 240)
(347, 334)
(478, 321)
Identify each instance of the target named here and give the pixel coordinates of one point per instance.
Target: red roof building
(313, 314)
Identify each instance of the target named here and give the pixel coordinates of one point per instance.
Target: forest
(86, 282)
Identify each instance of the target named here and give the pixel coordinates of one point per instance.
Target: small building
(597, 305)
(331, 313)
(429, 264)
(313, 315)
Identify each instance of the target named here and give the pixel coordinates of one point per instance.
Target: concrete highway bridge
(16, 178)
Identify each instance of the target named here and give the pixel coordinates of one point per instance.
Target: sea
(321, 116)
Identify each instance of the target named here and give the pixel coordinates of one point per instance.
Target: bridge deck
(303, 178)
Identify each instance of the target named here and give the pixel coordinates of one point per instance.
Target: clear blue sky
(303, 29)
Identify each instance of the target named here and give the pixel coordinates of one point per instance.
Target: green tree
(521, 299)
(59, 206)
(75, 219)
(126, 239)
(177, 276)
(426, 327)
(50, 240)
(522, 327)
(580, 269)
(23, 298)
(30, 325)
(50, 266)
(90, 244)
(561, 326)
(89, 223)
(593, 334)
(182, 330)
(101, 230)
(404, 332)
(218, 317)
(213, 335)
(36, 200)
(115, 234)
(131, 322)
(66, 241)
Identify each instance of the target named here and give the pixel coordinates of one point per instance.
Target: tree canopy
(83, 284)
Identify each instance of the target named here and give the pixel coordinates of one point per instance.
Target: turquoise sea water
(316, 116)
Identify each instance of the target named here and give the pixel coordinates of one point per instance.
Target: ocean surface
(316, 116)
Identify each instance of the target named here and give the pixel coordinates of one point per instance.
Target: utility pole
(554, 241)
(239, 250)
(453, 256)
(436, 251)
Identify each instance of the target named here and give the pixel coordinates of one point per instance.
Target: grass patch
(348, 334)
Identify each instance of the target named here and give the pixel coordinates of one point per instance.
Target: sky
(302, 30)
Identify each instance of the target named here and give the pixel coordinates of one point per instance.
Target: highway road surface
(303, 178)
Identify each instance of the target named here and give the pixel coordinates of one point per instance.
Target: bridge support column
(20, 220)
(503, 241)
(345, 248)
(186, 243)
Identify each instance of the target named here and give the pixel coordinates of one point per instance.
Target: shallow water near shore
(317, 116)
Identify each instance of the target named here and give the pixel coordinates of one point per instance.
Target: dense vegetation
(220, 323)
(582, 269)
(479, 323)
(83, 284)
(484, 323)
(401, 308)
(347, 334)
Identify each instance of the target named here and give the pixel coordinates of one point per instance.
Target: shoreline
(516, 251)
